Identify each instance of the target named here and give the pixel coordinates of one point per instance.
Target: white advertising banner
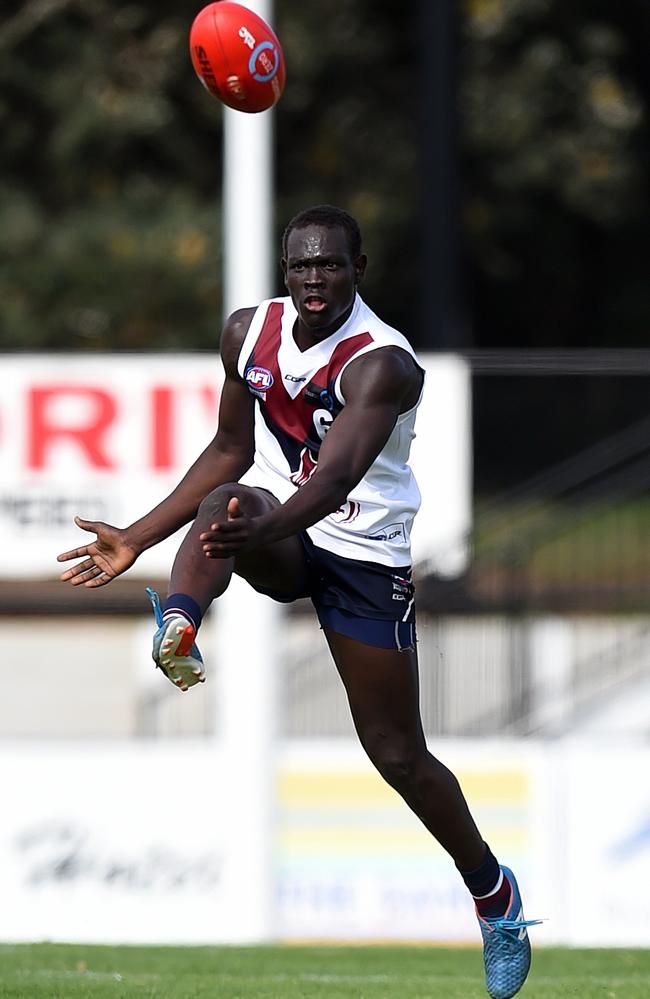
(608, 845)
(103, 437)
(114, 842)
(355, 863)
(141, 842)
(108, 436)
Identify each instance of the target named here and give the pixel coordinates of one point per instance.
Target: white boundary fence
(136, 842)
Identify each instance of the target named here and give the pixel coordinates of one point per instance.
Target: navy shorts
(369, 602)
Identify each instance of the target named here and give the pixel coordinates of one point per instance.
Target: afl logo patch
(260, 379)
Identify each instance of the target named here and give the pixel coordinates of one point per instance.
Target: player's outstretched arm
(377, 387)
(106, 557)
(225, 459)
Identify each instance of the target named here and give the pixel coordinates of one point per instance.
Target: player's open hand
(237, 533)
(103, 559)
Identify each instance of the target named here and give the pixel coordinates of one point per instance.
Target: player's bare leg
(279, 567)
(382, 688)
(383, 691)
(196, 580)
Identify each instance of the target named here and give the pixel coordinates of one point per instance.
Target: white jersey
(298, 397)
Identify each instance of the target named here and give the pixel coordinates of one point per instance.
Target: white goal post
(246, 623)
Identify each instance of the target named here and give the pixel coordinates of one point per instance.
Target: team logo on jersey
(347, 513)
(306, 468)
(259, 380)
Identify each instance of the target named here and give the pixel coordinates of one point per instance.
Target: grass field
(61, 971)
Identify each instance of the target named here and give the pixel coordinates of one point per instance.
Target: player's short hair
(332, 218)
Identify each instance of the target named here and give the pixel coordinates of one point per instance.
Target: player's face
(321, 277)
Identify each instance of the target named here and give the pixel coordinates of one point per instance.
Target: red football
(237, 57)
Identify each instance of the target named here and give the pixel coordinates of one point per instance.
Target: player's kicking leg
(382, 688)
(196, 581)
(175, 651)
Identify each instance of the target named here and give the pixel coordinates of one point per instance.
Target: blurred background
(496, 155)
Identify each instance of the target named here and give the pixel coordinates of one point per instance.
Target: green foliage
(111, 176)
(135, 270)
(348, 134)
(554, 118)
(109, 224)
(544, 103)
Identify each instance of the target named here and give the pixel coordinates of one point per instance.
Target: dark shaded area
(524, 424)
(557, 210)
(123, 596)
(571, 538)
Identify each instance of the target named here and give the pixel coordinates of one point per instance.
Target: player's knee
(397, 761)
(216, 502)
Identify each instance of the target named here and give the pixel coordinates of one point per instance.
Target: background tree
(555, 162)
(110, 167)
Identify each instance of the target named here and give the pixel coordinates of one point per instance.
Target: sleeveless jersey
(298, 397)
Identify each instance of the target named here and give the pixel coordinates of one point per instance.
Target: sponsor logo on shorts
(402, 587)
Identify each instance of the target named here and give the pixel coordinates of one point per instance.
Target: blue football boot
(174, 649)
(506, 947)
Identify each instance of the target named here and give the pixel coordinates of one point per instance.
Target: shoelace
(158, 614)
(155, 603)
(503, 925)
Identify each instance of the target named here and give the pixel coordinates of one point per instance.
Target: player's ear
(360, 267)
(283, 265)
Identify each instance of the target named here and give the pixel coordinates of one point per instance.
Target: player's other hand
(106, 557)
(237, 533)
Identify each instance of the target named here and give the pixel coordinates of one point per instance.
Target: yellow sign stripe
(352, 839)
(360, 789)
